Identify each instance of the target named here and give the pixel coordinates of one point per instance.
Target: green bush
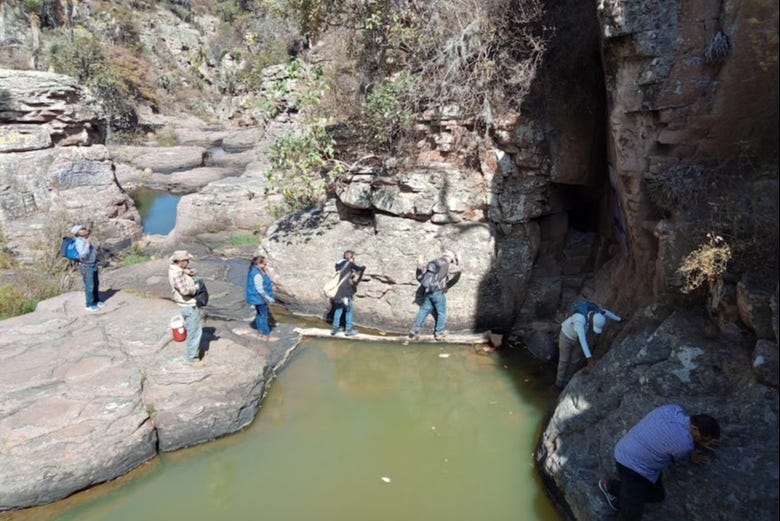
(13, 302)
(298, 166)
(117, 77)
(135, 256)
(241, 239)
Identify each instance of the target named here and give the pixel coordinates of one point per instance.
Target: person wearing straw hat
(88, 266)
(184, 288)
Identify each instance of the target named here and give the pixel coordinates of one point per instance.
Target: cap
(76, 229)
(180, 255)
(598, 323)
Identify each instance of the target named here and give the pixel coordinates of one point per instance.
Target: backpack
(202, 295)
(584, 307)
(68, 249)
(332, 286)
(431, 278)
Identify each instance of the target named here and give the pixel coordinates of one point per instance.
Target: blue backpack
(584, 307)
(68, 249)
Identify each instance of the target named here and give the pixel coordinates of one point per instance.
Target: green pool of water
(353, 431)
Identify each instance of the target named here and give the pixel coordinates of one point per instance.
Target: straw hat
(180, 255)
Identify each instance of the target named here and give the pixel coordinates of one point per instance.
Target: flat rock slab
(88, 396)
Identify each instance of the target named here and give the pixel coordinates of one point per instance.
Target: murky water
(353, 431)
(157, 209)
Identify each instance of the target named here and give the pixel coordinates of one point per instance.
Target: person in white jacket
(574, 329)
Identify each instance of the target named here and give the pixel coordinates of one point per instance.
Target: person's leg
(89, 282)
(632, 494)
(656, 493)
(423, 313)
(261, 320)
(194, 331)
(439, 300)
(350, 316)
(93, 270)
(565, 346)
(339, 309)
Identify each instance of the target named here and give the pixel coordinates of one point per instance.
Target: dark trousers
(633, 491)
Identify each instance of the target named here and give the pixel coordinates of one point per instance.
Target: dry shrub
(732, 208)
(705, 264)
(478, 55)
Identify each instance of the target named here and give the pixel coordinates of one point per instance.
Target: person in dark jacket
(343, 302)
(260, 293)
(445, 271)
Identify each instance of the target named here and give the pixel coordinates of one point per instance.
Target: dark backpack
(68, 249)
(584, 307)
(431, 278)
(202, 295)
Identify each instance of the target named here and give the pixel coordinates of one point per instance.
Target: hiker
(184, 288)
(667, 435)
(435, 278)
(343, 303)
(88, 266)
(260, 293)
(575, 328)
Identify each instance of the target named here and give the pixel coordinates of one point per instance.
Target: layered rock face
(686, 81)
(54, 169)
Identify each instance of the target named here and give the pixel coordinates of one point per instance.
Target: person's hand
(589, 367)
(698, 457)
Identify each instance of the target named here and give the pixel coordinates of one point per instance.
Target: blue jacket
(255, 295)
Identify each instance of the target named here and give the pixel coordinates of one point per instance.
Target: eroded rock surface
(87, 397)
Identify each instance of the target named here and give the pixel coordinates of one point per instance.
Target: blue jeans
(261, 320)
(191, 316)
(89, 274)
(433, 301)
(349, 317)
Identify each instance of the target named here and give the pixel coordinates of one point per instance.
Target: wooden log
(460, 338)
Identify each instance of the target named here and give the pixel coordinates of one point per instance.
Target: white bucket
(179, 331)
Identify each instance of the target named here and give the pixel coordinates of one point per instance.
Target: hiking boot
(439, 337)
(611, 498)
(351, 332)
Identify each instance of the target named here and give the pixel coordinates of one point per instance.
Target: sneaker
(333, 332)
(612, 499)
(440, 336)
(413, 336)
(92, 308)
(196, 363)
(100, 303)
(351, 332)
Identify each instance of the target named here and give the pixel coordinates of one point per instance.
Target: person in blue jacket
(88, 266)
(260, 293)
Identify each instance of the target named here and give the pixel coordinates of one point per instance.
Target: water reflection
(454, 436)
(157, 210)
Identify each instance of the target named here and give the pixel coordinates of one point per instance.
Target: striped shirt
(660, 439)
